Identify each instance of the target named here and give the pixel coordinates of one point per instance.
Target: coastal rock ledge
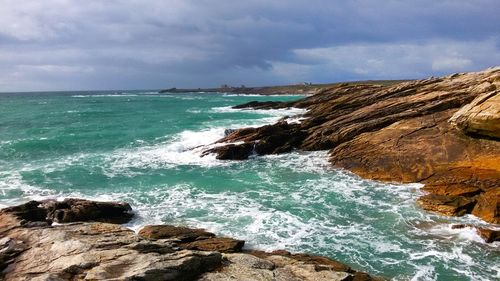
(87, 244)
(442, 132)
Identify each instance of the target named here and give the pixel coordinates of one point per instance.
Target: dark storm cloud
(57, 44)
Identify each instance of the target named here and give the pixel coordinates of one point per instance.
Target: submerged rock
(401, 133)
(488, 234)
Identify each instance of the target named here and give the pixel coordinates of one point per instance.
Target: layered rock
(84, 249)
(482, 116)
(192, 238)
(439, 131)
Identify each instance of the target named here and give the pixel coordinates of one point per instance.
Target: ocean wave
(104, 95)
(256, 95)
(274, 112)
(184, 148)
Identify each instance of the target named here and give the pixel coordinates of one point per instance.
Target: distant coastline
(294, 89)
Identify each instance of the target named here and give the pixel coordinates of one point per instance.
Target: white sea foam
(273, 112)
(104, 95)
(256, 95)
(183, 149)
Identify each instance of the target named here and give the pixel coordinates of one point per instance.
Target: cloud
(187, 43)
(391, 60)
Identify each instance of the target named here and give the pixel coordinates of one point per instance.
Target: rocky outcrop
(83, 249)
(437, 131)
(488, 234)
(482, 116)
(71, 210)
(192, 238)
(271, 139)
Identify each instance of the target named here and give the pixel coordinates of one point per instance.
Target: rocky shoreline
(442, 132)
(77, 239)
(298, 89)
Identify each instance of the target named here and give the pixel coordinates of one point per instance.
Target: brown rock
(192, 238)
(219, 244)
(71, 210)
(488, 206)
(103, 251)
(271, 139)
(489, 235)
(402, 133)
(447, 205)
(259, 105)
(482, 115)
(74, 210)
(184, 234)
(319, 262)
(232, 151)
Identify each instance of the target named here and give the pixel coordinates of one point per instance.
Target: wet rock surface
(84, 249)
(441, 132)
(71, 210)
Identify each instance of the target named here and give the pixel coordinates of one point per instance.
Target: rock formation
(86, 248)
(442, 132)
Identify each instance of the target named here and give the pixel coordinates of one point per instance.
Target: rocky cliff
(87, 244)
(442, 132)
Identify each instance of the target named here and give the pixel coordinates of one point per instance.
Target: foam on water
(282, 112)
(295, 201)
(255, 95)
(183, 149)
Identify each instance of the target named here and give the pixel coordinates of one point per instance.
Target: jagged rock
(259, 104)
(9, 249)
(232, 151)
(227, 132)
(104, 251)
(71, 210)
(219, 244)
(273, 267)
(488, 206)
(192, 238)
(399, 133)
(183, 234)
(271, 139)
(482, 115)
(319, 262)
(489, 235)
(447, 205)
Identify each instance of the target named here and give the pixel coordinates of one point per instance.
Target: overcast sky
(140, 44)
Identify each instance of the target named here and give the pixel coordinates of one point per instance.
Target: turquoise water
(144, 148)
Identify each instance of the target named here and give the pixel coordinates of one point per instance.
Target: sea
(145, 148)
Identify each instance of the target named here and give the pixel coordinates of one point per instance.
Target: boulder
(482, 116)
(192, 238)
(104, 251)
(219, 244)
(488, 206)
(183, 234)
(447, 205)
(489, 235)
(100, 251)
(232, 151)
(259, 105)
(38, 213)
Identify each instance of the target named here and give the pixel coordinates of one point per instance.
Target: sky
(145, 44)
